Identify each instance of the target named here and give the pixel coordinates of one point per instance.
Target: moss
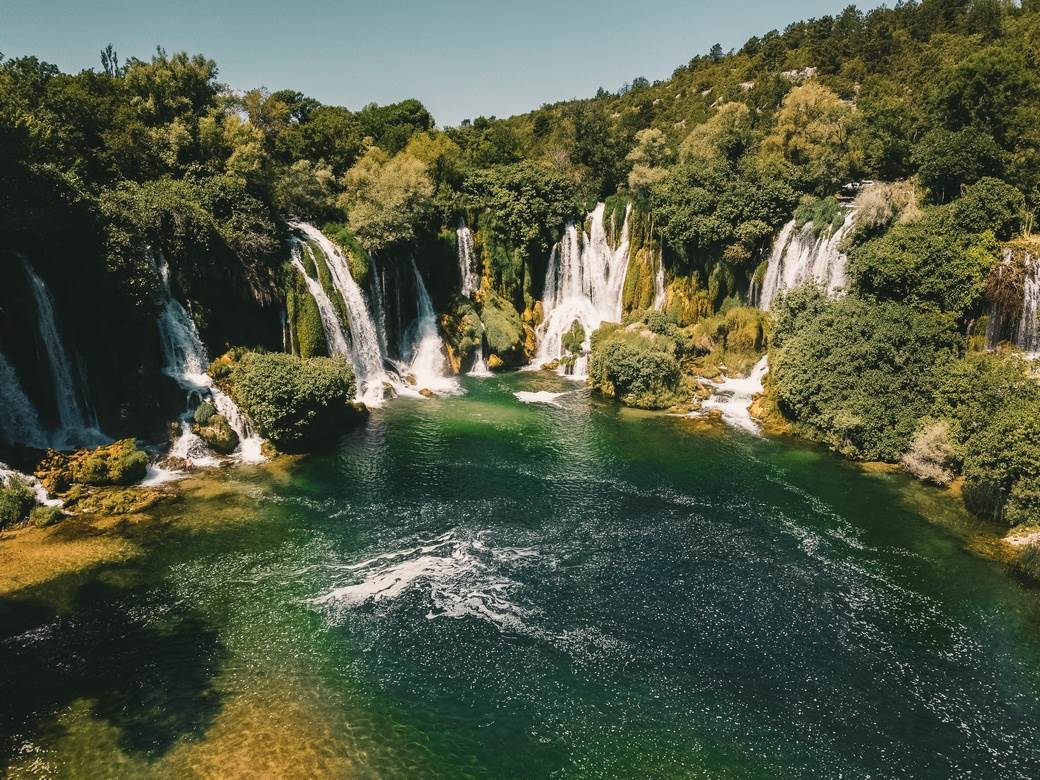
(686, 301)
(113, 501)
(503, 328)
(203, 413)
(120, 463)
(308, 334)
(218, 434)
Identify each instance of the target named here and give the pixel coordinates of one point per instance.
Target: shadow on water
(143, 660)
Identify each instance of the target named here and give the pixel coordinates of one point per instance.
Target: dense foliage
(294, 403)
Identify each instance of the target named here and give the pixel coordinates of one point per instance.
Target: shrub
(634, 365)
(990, 204)
(1002, 465)
(16, 501)
(43, 516)
(932, 456)
(883, 203)
(858, 375)
(294, 402)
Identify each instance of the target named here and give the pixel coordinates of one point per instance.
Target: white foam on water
(538, 397)
(732, 398)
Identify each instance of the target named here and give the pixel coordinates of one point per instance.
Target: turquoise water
(477, 587)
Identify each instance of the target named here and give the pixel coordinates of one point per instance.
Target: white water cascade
(78, 425)
(583, 283)
(732, 398)
(334, 336)
(480, 367)
(427, 365)
(659, 280)
(365, 352)
(801, 257)
(185, 361)
(1025, 332)
(468, 271)
(39, 491)
(19, 421)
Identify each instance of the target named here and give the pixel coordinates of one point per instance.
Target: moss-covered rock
(120, 463)
(113, 500)
(218, 434)
(503, 329)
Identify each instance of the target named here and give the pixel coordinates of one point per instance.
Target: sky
(461, 58)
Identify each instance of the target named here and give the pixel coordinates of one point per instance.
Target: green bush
(855, 374)
(1002, 465)
(117, 464)
(43, 516)
(293, 402)
(635, 365)
(502, 327)
(16, 501)
(990, 204)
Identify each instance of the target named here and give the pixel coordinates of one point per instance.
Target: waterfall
(583, 283)
(659, 280)
(468, 272)
(19, 421)
(185, 361)
(427, 362)
(1024, 332)
(334, 336)
(480, 368)
(365, 352)
(733, 397)
(78, 425)
(801, 257)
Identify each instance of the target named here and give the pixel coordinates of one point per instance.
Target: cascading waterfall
(1024, 332)
(19, 421)
(427, 365)
(185, 361)
(480, 367)
(78, 425)
(330, 323)
(732, 398)
(583, 283)
(365, 353)
(659, 280)
(801, 257)
(468, 272)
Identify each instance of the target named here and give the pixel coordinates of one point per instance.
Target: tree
(386, 198)
(948, 160)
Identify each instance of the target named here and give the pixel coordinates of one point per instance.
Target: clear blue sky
(461, 58)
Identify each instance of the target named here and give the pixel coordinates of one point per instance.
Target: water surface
(480, 587)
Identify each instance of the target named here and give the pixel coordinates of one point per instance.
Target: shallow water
(480, 587)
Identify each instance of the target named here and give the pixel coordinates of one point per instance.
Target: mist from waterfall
(469, 273)
(1024, 330)
(78, 425)
(366, 353)
(185, 361)
(19, 421)
(427, 365)
(802, 257)
(584, 284)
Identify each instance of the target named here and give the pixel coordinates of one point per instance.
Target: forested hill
(144, 183)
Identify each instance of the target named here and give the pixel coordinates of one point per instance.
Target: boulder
(120, 463)
(217, 433)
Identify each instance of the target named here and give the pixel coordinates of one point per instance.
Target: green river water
(477, 587)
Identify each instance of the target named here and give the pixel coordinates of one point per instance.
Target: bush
(16, 501)
(117, 464)
(883, 203)
(503, 328)
(294, 402)
(43, 516)
(990, 204)
(857, 375)
(1002, 465)
(932, 456)
(635, 365)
